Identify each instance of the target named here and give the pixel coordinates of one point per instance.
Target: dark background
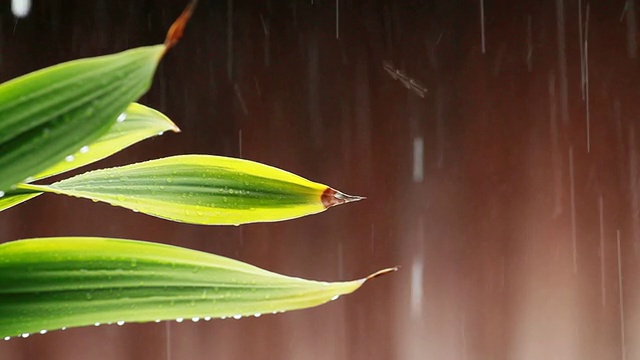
(516, 224)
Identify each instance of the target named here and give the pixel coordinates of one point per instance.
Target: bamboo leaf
(203, 189)
(52, 283)
(51, 113)
(14, 197)
(136, 123)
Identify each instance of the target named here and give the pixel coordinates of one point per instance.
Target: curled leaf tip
(332, 197)
(381, 272)
(177, 28)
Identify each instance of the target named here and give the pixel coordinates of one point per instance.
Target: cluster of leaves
(73, 114)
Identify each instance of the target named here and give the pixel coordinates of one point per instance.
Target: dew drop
(160, 133)
(69, 158)
(237, 316)
(179, 320)
(64, 328)
(25, 335)
(1, 194)
(84, 149)
(157, 320)
(97, 324)
(121, 322)
(223, 317)
(121, 117)
(257, 314)
(335, 297)
(7, 338)
(43, 332)
(207, 318)
(195, 319)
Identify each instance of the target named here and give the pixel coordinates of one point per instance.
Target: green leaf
(136, 123)
(139, 123)
(14, 197)
(52, 113)
(203, 189)
(52, 283)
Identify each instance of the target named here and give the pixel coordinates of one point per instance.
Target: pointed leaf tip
(332, 197)
(177, 28)
(381, 272)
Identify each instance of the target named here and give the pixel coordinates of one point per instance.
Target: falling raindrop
(20, 8)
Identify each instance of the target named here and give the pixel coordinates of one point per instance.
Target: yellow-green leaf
(203, 189)
(136, 123)
(52, 283)
(14, 197)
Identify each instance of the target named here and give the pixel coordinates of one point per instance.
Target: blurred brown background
(508, 193)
